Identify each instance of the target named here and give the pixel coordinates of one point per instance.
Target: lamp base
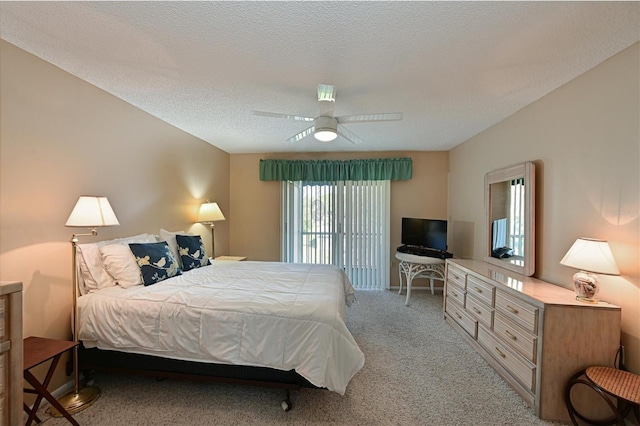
(76, 402)
(587, 299)
(586, 286)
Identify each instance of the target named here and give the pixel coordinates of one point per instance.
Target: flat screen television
(430, 233)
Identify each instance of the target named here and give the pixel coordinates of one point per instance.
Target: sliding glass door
(342, 223)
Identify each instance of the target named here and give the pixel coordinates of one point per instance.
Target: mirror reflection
(507, 220)
(510, 221)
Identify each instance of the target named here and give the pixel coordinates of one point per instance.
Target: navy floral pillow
(155, 260)
(192, 253)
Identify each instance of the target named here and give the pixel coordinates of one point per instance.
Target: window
(343, 223)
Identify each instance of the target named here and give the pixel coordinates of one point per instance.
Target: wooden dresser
(11, 353)
(536, 335)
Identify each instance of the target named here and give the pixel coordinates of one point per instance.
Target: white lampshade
(210, 212)
(591, 255)
(92, 212)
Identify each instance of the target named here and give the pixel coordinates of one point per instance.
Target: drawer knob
(511, 336)
(512, 309)
(455, 277)
(476, 310)
(499, 352)
(454, 294)
(478, 289)
(458, 315)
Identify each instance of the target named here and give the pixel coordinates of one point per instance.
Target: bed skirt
(147, 365)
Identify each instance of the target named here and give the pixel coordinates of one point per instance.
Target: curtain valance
(336, 170)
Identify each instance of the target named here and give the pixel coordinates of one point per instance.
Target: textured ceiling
(452, 68)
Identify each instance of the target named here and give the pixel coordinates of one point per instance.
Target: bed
(268, 323)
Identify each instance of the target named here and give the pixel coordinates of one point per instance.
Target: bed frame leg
(286, 404)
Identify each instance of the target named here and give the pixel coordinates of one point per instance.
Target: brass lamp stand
(209, 213)
(213, 242)
(89, 212)
(80, 398)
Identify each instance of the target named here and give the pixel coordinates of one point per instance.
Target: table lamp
(209, 213)
(89, 212)
(591, 257)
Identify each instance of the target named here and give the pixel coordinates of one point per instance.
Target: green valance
(336, 170)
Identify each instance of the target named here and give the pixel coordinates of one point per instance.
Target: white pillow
(170, 238)
(121, 264)
(94, 275)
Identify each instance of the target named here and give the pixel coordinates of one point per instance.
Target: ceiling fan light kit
(325, 126)
(326, 129)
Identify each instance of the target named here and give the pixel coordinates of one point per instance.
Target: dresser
(536, 335)
(11, 353)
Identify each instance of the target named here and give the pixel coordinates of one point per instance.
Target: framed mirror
(509, 197)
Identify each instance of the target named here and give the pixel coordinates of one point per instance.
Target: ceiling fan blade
(301, 135)
(279, 115)
(326, 92)
(349, 135)
(367, 118)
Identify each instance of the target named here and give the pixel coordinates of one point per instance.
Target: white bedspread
(279, 315)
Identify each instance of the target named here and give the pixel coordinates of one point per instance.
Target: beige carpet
(418, 371)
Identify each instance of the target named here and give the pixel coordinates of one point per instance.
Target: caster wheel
(285, 406)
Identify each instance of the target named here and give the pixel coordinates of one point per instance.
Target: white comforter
(279, 315)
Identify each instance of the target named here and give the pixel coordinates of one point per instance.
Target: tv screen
(429, 233)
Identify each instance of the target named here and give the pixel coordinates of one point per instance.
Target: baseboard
(404, 288)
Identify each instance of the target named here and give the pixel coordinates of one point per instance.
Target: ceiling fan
(326, 127)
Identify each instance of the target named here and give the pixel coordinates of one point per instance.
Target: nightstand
(233, 258)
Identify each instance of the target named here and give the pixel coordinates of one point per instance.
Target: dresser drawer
(514, 336)
(455, 293)
(456, 276)
(465, 321)
(478, 310)
(480, 289)
(517, 311)
(515, 364)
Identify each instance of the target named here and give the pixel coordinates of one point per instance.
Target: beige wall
(256, 204)
(584, 139)
(61, 138)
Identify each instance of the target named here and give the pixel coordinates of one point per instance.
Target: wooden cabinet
(11, 353)
(536, 335)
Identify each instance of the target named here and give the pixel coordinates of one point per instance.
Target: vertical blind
(517, 216)
(344, 223)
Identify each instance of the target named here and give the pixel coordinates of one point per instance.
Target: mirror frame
(524, 170)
